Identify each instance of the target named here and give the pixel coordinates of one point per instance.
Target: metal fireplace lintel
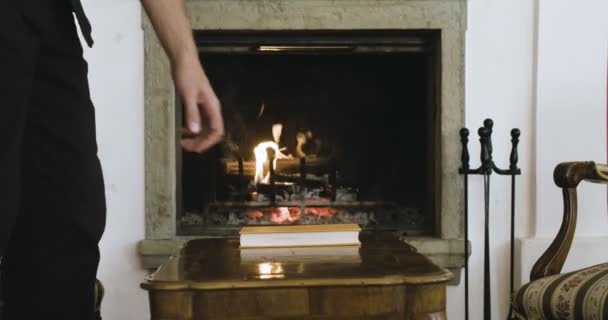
(316, 42)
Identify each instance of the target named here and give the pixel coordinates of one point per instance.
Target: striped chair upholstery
(99, 293)
(577, 295)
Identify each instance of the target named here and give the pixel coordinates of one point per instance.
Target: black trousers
(52, 206)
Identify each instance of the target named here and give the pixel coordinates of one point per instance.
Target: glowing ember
(286, 215)
(255, 215)
(321, 212)
(283, 215)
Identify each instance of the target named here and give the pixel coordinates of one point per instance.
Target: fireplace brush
(486, 169)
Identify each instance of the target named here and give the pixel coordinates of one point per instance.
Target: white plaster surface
(571, 107)
(499, 85)
(116, 78)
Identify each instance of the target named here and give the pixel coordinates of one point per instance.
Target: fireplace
(374, 92)
(321, 127)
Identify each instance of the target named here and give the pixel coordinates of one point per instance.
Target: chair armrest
(567, 176)
(570, 174)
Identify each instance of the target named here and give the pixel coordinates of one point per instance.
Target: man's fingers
(202, 143)
(186, 133)
(199, 136)
(213, 111)
(193, 117)
(214, 132)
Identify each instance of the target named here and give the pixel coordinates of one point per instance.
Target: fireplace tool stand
(486, 169)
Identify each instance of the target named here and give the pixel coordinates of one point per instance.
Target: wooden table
(215, 279)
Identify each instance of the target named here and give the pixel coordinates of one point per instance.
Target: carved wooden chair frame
(567, 176)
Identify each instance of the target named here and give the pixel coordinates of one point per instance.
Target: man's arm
(200, 102)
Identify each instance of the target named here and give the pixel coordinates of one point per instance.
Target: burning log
(280, 187)
(284, 166)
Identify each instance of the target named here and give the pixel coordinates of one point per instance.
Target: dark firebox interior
(370, 111)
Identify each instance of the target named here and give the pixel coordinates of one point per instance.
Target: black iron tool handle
(464, 158)
(513, 159)
(487, 286)
(486, 168)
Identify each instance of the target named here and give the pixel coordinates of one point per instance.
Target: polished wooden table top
(212, 264)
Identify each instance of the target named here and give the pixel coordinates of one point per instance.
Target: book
(300, 235)
(320, 254)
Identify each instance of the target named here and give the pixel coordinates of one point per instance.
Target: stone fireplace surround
(448, 16)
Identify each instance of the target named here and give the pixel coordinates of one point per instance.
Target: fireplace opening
(321, 127)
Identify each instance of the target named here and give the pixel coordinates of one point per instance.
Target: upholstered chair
(99, 293)
(581, 294)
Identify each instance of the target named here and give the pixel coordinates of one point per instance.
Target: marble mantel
(447, 16)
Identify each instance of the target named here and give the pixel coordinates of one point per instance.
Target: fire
(283, 215)
(261, 155)
(288, 215)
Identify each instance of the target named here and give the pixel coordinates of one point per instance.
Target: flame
(277, 131)
(261, 155)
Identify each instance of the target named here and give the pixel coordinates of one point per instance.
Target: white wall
(571, 105)
(570, 124)
(540, 66)
(541, 83)
(499, 85)
(116, 77)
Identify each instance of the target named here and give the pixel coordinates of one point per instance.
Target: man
(52, 206)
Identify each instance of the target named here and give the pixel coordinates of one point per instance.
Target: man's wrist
(187, 55)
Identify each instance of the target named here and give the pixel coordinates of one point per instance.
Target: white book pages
(319, 254)
(297, 239)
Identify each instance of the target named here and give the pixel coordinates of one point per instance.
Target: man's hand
(204, 123)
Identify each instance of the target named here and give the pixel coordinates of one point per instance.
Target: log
(284, 166)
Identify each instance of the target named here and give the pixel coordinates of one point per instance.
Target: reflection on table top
(212, 264)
